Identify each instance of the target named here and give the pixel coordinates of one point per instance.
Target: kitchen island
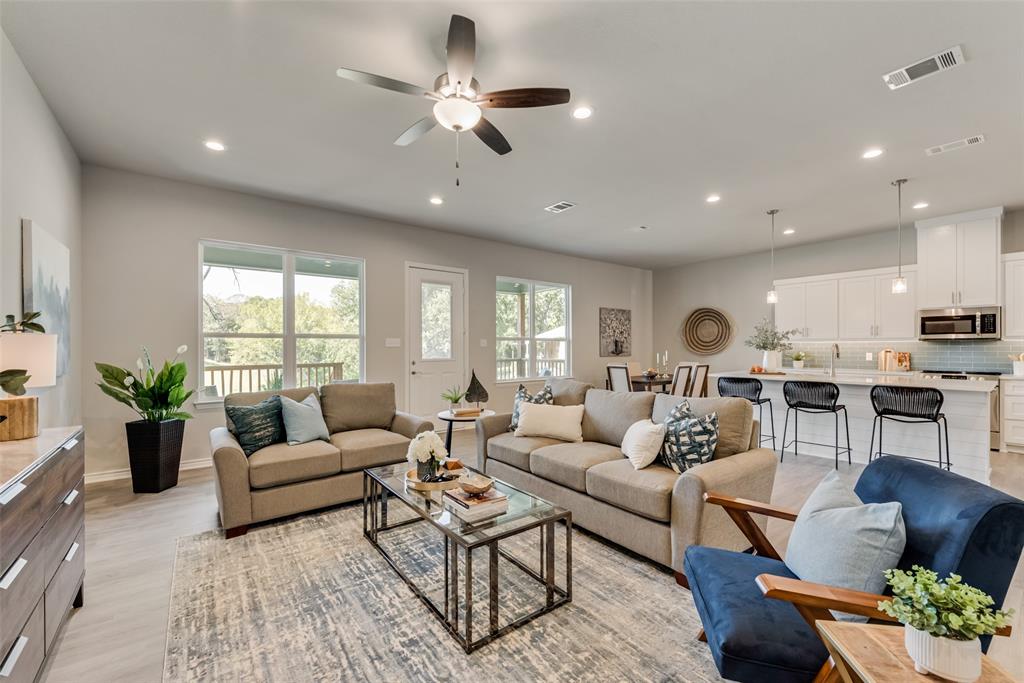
(966, 407)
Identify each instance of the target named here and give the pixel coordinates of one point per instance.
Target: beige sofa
(279, 480)
(654, 511)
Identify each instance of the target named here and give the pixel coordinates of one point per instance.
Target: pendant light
(899, 283)
(773, 296)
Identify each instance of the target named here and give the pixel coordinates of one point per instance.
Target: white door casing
(436, 308)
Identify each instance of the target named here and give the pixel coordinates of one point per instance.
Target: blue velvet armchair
(758, 617)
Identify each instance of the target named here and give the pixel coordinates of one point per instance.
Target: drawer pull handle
(12, 659)
(71, 552)
(71, 443)
(12, 574)
(11, 493)
(70, 498)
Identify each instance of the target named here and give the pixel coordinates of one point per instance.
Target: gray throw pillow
(257, 426)
(303, 421)
(840, 541)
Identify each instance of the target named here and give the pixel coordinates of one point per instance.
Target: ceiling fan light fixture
(583, 112)
(457, 113)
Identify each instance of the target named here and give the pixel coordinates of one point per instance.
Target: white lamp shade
(36, 354)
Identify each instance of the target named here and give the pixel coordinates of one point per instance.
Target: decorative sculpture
(476, 392)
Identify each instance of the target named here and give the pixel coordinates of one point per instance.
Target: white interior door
(436, 303)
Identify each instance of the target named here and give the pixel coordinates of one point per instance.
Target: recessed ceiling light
(921, 205)
(872, 153)
(582, 113)
(712, 198)
(638, 228)
(436, 201)
(215, 145)
(788, 231)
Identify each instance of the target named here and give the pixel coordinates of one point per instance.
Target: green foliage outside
(512, 319)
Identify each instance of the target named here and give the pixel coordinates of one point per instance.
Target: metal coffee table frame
(375, 521)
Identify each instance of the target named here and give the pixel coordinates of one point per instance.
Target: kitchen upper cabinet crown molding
(964, 217)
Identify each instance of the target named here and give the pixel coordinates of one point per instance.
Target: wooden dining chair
(681, 379)
(618, 377)
(699, 381)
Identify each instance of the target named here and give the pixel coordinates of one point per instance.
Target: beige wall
(41, 180)
(141, 239)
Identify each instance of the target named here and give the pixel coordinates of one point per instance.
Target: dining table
(656, 383)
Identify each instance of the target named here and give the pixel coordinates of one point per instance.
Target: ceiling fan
(456, 94)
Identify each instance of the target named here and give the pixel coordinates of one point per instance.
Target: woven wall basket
(707, 331)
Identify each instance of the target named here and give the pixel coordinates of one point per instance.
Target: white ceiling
(769, 104)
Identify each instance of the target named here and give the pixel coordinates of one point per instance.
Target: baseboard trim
(126, 473)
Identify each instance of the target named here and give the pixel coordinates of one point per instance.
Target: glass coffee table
(525, 514)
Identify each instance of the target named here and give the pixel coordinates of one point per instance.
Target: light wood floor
(130, 540)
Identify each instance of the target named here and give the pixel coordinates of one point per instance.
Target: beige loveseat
(279, 480)
(654, 511)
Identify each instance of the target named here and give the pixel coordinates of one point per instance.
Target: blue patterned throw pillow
(689, 440)
(544, 396)
(257, 426)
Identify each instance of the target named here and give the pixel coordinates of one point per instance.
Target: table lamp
(36, 354)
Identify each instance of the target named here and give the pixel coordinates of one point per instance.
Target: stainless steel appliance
(960, 323)
(977, 376)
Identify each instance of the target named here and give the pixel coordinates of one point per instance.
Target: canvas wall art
(46, 268)
(616, 332)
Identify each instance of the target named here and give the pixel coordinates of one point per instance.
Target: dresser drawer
(61, 529)
(21, 515)
(21, 586)
(21, 661)
(65, 468)
(64, 586)
(1013, 432)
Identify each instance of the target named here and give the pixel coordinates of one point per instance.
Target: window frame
(531, 338)
(288, 336)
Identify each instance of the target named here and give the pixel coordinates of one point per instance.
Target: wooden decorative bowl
(475, 484)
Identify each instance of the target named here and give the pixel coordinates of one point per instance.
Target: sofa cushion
(608, 414)
(568, 391)
(515, 450)
(362, 448)
(752, 638)
(284, 464)
(358, 406)
(567, 463)
(735, 419)
(251, 398)
(646, 492)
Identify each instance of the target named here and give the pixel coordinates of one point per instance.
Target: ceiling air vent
(942, 61)
(559, 207)
(956, 144)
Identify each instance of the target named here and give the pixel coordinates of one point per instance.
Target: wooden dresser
(42, 545)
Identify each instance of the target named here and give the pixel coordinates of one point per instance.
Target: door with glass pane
(437, 337)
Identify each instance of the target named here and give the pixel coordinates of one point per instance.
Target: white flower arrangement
(426, 446)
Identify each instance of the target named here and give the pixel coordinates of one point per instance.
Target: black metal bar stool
(813, 397)
(750, 389)
(910, 405)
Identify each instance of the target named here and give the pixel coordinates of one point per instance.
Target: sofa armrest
(231, 468)
(486, 428)
(750, 474)
(409, 425)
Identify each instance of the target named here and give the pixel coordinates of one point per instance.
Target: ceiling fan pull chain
(456, 158)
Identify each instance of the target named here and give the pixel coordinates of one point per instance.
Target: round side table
(446, 416)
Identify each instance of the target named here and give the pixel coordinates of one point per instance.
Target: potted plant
(942, 621)
(454, 397)
(798, 359)
(427, 452)
(771, 342)
(154, 442)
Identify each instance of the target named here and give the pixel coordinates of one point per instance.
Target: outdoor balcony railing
(230, 379)
(518, 368)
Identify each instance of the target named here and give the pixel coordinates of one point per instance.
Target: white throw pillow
(642, 442)
(554, 422)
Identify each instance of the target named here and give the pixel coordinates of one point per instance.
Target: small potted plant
(771, 342)
(453, 396)
(154, 442)
(427, 452)
(798, 359)
(943, 620)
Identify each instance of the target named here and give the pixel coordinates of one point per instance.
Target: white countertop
(862, 378)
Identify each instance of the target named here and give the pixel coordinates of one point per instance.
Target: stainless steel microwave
(960, 323)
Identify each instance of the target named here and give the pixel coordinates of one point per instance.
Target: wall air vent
(947, 59)
(956, 144)
(559, 207)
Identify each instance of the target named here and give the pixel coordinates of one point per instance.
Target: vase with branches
(771, 341)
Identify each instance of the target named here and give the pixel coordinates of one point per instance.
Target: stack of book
(475, 508)
(466, 412)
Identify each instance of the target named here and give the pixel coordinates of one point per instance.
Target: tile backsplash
(931, 355)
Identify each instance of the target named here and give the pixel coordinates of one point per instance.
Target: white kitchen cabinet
(896, 314)
(958, 259)
(857, 302)
(810, 308)
(789, 311)
(936, 266)
(977, 249)
(869, 310)
(1013, 296)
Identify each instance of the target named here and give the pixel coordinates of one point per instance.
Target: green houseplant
(798, 359)
(771, 342)
(454, 396)
(154, 440)
(943, 620)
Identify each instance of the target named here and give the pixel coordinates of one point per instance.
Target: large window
(274, 319)
(532, 329)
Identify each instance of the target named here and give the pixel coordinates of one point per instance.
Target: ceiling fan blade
(523, 97)
(491, 136)
(461, 51)
(383, 82)
(416, 131)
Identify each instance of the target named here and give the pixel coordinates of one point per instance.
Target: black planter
(154, 451)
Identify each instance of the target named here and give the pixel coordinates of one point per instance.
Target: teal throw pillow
(257, 426)
(303, 421)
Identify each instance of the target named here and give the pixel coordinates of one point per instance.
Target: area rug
(311, 600)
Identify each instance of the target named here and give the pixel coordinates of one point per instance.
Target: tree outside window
(532, 329)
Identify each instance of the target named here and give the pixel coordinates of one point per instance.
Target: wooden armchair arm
(739, 510)
(749, 506)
